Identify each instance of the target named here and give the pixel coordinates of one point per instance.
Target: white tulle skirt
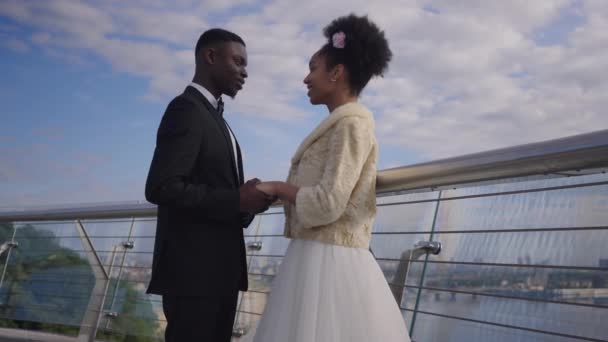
(329, 293)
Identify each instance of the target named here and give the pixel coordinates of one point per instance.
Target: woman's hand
(269, 188)
(284, 191)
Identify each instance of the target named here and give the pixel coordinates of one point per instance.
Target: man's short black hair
(214, 36)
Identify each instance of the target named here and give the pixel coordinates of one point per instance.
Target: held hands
(253, 200)
(282, 190)
(269, 188)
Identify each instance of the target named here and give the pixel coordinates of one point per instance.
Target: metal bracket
(8, 245)
(433, 247)
(128, 244)
(255, 245)
(111, 314)
(239, 331)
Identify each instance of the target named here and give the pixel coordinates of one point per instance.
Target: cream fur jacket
(335, 168)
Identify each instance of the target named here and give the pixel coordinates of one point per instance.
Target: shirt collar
(206, 93)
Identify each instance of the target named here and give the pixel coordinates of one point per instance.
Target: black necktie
(220, 107)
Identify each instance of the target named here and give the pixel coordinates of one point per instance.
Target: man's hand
(279, 190)
(255, 181)
(253, 200)
(269, 188)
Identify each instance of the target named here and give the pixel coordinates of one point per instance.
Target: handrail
(585, 151)
(102, 211)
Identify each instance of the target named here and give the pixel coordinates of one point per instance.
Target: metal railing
(424, 284)
(581, 152)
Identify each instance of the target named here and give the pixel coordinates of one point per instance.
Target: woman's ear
(337, 72)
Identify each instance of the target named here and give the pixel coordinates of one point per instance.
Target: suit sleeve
(178, 143)
(246, 219)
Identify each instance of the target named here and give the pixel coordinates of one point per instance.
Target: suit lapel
(239, 159)
(221, 124)
(241, 174)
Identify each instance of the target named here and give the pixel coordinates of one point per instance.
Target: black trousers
(199, 319)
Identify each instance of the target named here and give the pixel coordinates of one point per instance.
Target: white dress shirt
(207, 94)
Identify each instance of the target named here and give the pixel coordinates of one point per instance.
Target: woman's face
(319, 80)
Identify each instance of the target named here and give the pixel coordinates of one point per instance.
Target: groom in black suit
(196, 179)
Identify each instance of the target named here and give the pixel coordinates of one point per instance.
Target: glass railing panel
(251, 307)
(395, 246)
(408, 297)
(407, 197)
(396, 230)
(429, 328)
(248, 322)
(270, 224)
(108, 228)
(108, 236)
(145, 227)
(397, 283)
(52, 229)
(57, 295)
(552, 209)
(133, 312)
(260, 282)
(143, 276)
(265, 265)
(42, 238)
(524, 184)
(405, 218)
(271, 245)
(550, 317)
(253, 302)
(47, 279)
(408, 317)
(574, 286)
(143, 245)
(575, 248)
(535, 258)
(136, 259)
(528, 262)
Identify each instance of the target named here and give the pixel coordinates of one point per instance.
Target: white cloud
(17, 45)
(41, 38)
(466, 76)
(163, 25)
(476, 80)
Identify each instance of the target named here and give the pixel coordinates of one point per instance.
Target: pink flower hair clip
(338, 40)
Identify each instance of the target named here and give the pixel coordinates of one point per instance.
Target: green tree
(47, 288)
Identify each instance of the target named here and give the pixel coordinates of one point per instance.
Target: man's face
(230, 67)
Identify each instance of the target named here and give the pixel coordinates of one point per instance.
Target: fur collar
(345, 110)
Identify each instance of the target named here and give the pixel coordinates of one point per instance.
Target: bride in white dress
(329, 287)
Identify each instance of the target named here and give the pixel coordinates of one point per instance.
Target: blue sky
(85, 83)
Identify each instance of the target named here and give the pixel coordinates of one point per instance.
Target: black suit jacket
(199, 248)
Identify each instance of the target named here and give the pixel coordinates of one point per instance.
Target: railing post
(126, 245)
(8, 245)
(426, 246)
(419, 249)
(92, 315)
(239, 330)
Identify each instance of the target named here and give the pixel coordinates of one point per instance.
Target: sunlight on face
(233, 67)
(318, 81)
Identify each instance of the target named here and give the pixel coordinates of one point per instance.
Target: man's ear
(209, 55)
